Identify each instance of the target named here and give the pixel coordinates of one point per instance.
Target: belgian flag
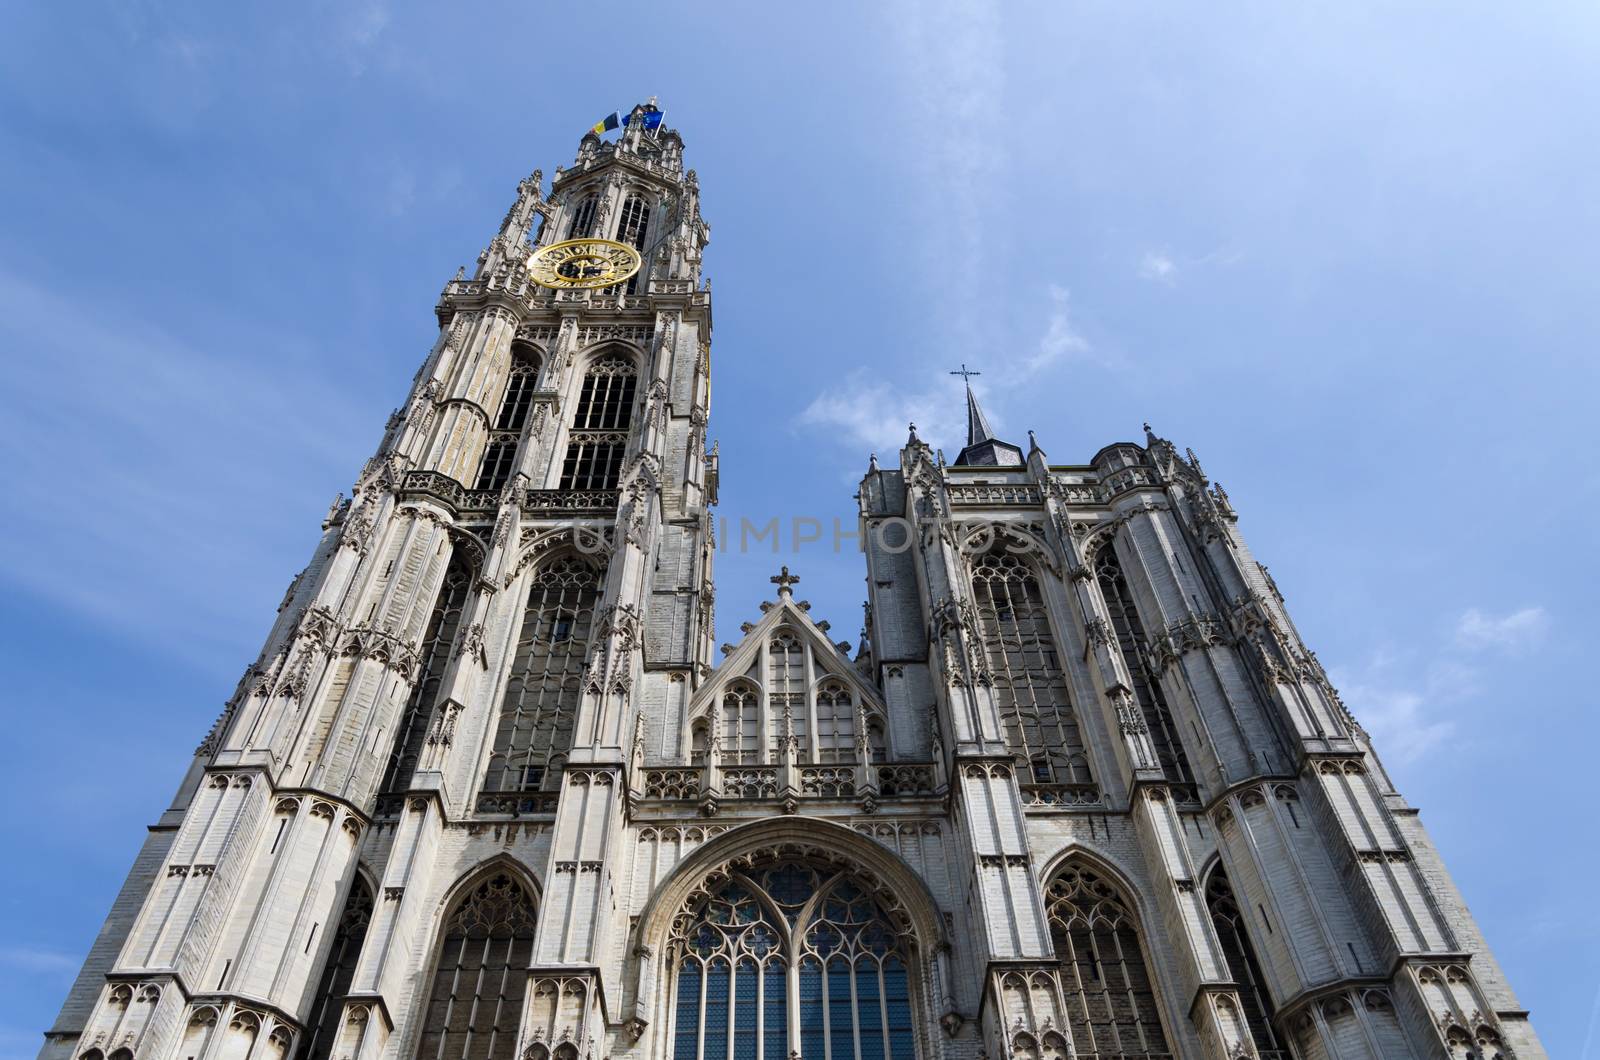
(606, 124)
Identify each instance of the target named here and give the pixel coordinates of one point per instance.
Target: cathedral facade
(491, 792)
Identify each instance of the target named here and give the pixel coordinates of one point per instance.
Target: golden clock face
(583, 263)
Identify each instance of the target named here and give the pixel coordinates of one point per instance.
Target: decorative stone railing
(994, 494)
(899, 780)
(673, 782)
(1060, 795)
(517, 803)
(828, 782)
(750, 782)
(570, 501)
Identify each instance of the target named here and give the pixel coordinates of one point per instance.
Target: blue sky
(1348, 253)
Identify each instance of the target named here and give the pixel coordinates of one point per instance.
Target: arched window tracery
(474, 1004)
(582, 223)
(791, 958)
(1130, 637)
(433, 660)
(1110, 998)
(545, 684)
(1030, 686)
(500, 453)
(322, 1029)
(631, 229)
(600, 422)
(1229, 921)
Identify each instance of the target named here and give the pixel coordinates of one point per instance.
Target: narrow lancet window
(582, 223)
(433, 661)
(500, 454)
(322, 1029)
(1130, 636)
(1234, 935)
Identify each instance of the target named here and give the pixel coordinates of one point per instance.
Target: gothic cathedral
(489, 792)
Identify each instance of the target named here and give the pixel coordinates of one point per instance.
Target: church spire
(983, 448)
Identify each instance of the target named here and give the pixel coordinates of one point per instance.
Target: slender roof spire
(983, 448)
(978, 429)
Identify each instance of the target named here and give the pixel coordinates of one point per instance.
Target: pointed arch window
(322, 1029)
(433, 660)
(534, 731)
(500, 454)
(599, 433)
(1030, 686)
(1147, 692)
(631, 229)
(836, 723)
(741, 725)
(475, 1001)
(582, 223)
(1234, 936)
(791, 959)
(1106, 985)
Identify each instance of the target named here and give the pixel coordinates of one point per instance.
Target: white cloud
(1512, 632)
(1402, 710)
(1061, 340)
(1158, 265)
(868, 412)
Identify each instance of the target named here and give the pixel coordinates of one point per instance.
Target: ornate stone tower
(1079, 791)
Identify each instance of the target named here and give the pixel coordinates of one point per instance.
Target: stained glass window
(791, 925)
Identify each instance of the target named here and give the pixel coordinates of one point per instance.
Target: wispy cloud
(134, 522)
(866, 412)
(1061, 340)
(1157, 265)
(1402, 708)
(1515, 631)
(1406, 701)
(35, 960)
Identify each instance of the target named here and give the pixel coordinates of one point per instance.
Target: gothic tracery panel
(480, 975)
(599, 431)
(545, 680)
(500, 454)
(1030, 686)
(791, 959)
(1109, 996)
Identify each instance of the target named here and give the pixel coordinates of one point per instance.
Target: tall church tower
(1079, 790)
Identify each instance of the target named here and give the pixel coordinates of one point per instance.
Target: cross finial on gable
(783, 580)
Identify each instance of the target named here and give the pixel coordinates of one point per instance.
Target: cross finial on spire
(783, 580)
(966, 374)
